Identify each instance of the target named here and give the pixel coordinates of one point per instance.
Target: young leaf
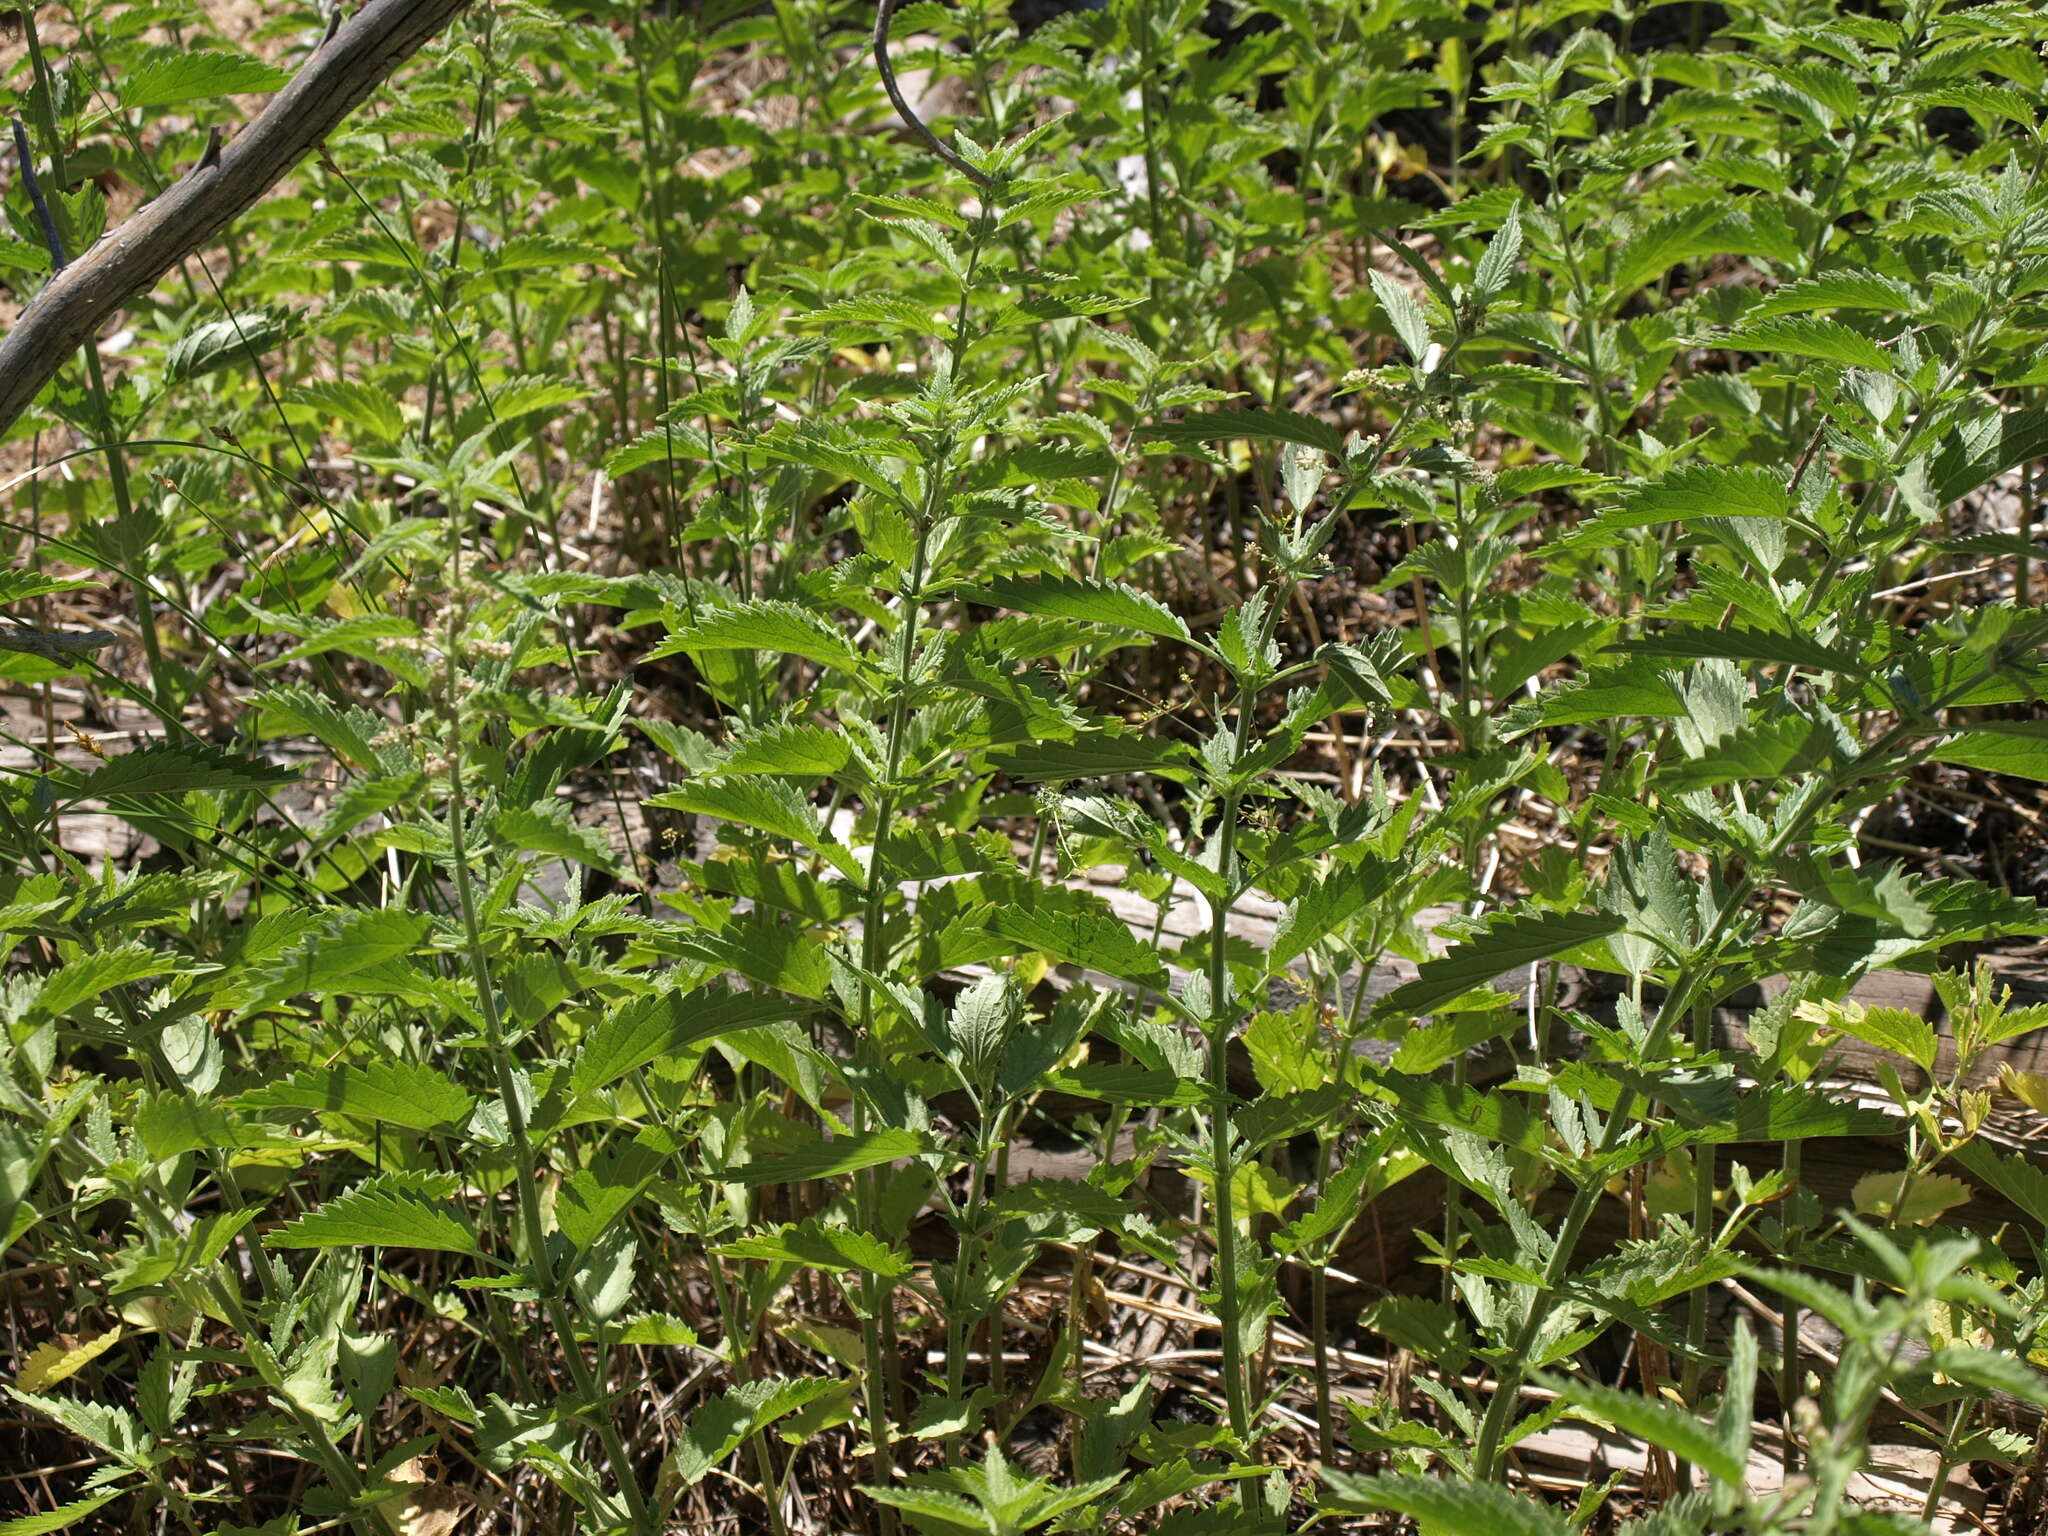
(822, 1245)
(1404, 314)
(1908, 1200)
(56, 1359)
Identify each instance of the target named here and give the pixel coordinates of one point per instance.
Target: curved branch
(885, 12)
(354, 60)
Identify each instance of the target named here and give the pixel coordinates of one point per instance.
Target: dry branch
(348, 66)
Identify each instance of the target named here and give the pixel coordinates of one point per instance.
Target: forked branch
(352, 62)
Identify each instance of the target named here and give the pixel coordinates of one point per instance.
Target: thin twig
(51, 238)
(884, 13)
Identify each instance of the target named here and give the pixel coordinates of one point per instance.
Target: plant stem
(589, 1383)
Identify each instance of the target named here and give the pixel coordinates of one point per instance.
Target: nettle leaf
(550, 829)
(824, 1157)
(1077, 928)
(362, 406)
(766, 806)
(410, 1094)
(1813, 336)
(2013, 1176)
(801, 751)
(717, 1428)
(1694, 491)
(779, 627)
(342, 947)
(1909, 1200)
(652, 1027)
(172, 1124)
(166, 770)
(1740, 642)
(391, 1210)
(1834, 290)
(59, 1519)
(2016, 747)
(1660, 1423)
(1257, 426)
(1074, 597)
(1404, 313)
(1508, 942)
(236, 341)
(1890, 1029)
(173, 76)
(93, 972)
(822, 1245)
(1447, 1506)
(1095, 755)
(1991, 1371)
(1979, 452)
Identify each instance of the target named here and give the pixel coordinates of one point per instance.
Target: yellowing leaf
(1926, 1198)
(2030, 1088)
(63, 1356)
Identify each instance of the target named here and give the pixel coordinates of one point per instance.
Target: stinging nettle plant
(1352, 622)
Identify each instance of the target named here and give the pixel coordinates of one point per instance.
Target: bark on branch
(127, 261)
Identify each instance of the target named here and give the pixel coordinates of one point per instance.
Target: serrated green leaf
(180, 75)
(410, 1094)
(824, 1157)
(235, 341)
(1448, 1506)
(1256, 426)
(1073, 597)
(766, 806)
(821, 1245)
(92, 972)
(647, 1028)
(1077, 928)
(803, 751)
(355, 404)
(1096, 755)
(1404, 313)
(1509, 942)
(61, 1518)
(1834, 290)
(391, 1210)
(2016, 747)
(165, 770)
(781, 628)
(1814, 336)
(1659, 1423)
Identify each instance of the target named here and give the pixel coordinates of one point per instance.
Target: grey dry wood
(68, 312)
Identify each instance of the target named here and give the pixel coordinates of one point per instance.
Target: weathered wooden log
(69, 310)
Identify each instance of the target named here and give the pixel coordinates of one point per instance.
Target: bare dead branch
(68, 312)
